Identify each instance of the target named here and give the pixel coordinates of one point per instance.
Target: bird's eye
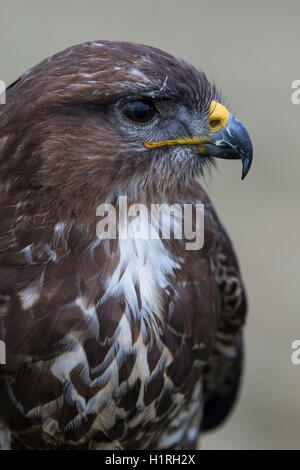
(140, 111)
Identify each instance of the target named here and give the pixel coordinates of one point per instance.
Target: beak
(227, 138)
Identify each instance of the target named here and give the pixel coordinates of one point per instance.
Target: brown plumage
(117, 344)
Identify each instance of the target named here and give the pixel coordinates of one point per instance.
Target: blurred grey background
(251, 51)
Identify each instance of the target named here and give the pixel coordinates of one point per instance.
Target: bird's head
(108, 117)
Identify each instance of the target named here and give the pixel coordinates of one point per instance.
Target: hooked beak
(227, 138)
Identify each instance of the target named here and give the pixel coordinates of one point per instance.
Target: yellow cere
(218, 118)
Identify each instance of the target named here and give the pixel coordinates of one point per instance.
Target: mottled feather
(113, 344)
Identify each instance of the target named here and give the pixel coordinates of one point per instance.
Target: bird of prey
(114, 343)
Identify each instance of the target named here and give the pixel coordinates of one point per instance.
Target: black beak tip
(246, 162)
(238, 136)
(247, 158)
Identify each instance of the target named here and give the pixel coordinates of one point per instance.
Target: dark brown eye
(139, 111)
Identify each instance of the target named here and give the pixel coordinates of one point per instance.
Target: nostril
(215, 123)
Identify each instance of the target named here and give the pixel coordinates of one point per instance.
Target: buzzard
(114, 343)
